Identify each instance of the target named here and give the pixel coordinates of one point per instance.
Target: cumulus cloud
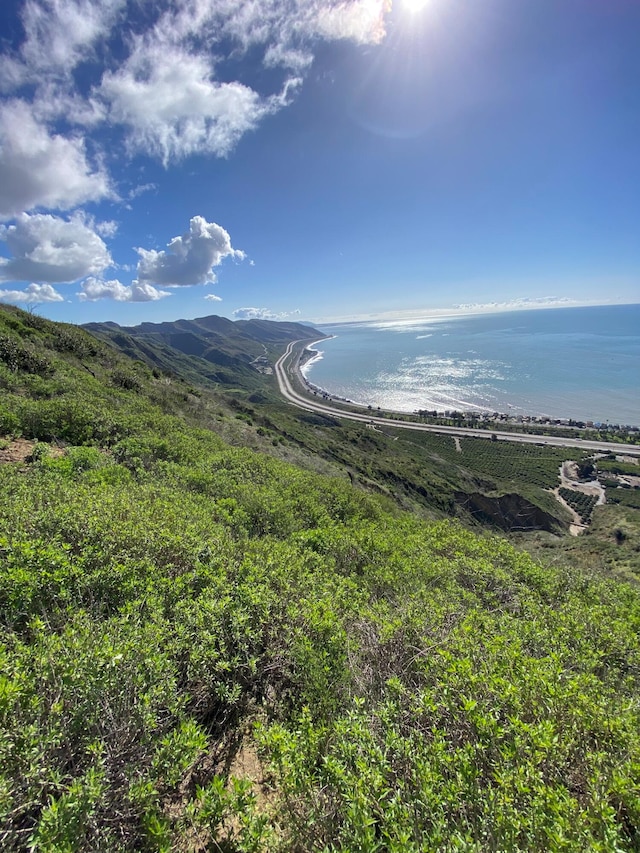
(41, 169)
(35, 294)
(169, 83)
(189, 259)
(49, 249)
(262, 314)
(94, 289)
(108, 228)
(173, 106)
(213, 298)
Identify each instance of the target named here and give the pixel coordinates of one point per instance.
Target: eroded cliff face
(509, 512)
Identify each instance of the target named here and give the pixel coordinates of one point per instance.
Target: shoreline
(309, 355)
(306, 359)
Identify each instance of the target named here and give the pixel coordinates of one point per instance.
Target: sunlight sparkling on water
(582, 363)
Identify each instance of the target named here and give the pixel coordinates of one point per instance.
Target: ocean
(580, 363)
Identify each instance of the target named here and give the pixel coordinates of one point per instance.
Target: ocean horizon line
(415, 315)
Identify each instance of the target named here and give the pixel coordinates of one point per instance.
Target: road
(286, 364)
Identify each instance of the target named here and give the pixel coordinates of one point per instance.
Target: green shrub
(19, 357)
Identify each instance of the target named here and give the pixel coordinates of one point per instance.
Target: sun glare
(414, 5)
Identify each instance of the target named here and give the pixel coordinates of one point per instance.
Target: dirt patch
(236, 758)
(634, 482)
(247, 765)
(569, 480)
(17, 450)
(21, 449)
(569, 472)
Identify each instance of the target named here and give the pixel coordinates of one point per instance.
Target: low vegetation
(207, 648)
(626, 497)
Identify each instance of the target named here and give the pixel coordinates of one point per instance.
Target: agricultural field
(615, 466)
(583, 504)
(625, 497)
(538, 466)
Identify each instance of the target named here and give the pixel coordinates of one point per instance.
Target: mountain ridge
(226, 334)
(211, 348)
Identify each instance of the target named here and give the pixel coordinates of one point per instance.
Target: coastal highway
(288, 364)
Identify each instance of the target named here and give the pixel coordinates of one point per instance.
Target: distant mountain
(213, 347)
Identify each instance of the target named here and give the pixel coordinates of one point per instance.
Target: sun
(414, 5)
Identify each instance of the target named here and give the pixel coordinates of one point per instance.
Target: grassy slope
(171, 603)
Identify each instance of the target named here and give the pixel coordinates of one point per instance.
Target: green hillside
(206, 647)
(210, 349)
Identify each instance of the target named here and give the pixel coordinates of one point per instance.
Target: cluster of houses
(543, 420)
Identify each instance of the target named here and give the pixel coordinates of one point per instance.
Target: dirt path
(577, 527)
(569, 480)
(20, 449)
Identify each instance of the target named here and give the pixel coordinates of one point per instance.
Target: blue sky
(315, 159)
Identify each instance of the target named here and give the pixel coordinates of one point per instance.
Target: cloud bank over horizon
(263, 314)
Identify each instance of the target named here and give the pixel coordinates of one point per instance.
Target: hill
(208, 348)
(205, 647)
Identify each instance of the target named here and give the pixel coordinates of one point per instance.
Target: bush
(18, 357)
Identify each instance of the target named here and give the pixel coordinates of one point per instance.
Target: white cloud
(33, 295)
(40, 169)
(361, 21)
(288, 57)
(56, 100)
(94, 289)
(108, 228)
(288, 27)
(140, 189)
(213, 298)
(262, 314)
(518, 304)
(168, 93)
(190, 258)
(47, 248)
(173, 107)
(58, 35)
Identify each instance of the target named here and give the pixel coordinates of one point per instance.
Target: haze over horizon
(317, 160)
